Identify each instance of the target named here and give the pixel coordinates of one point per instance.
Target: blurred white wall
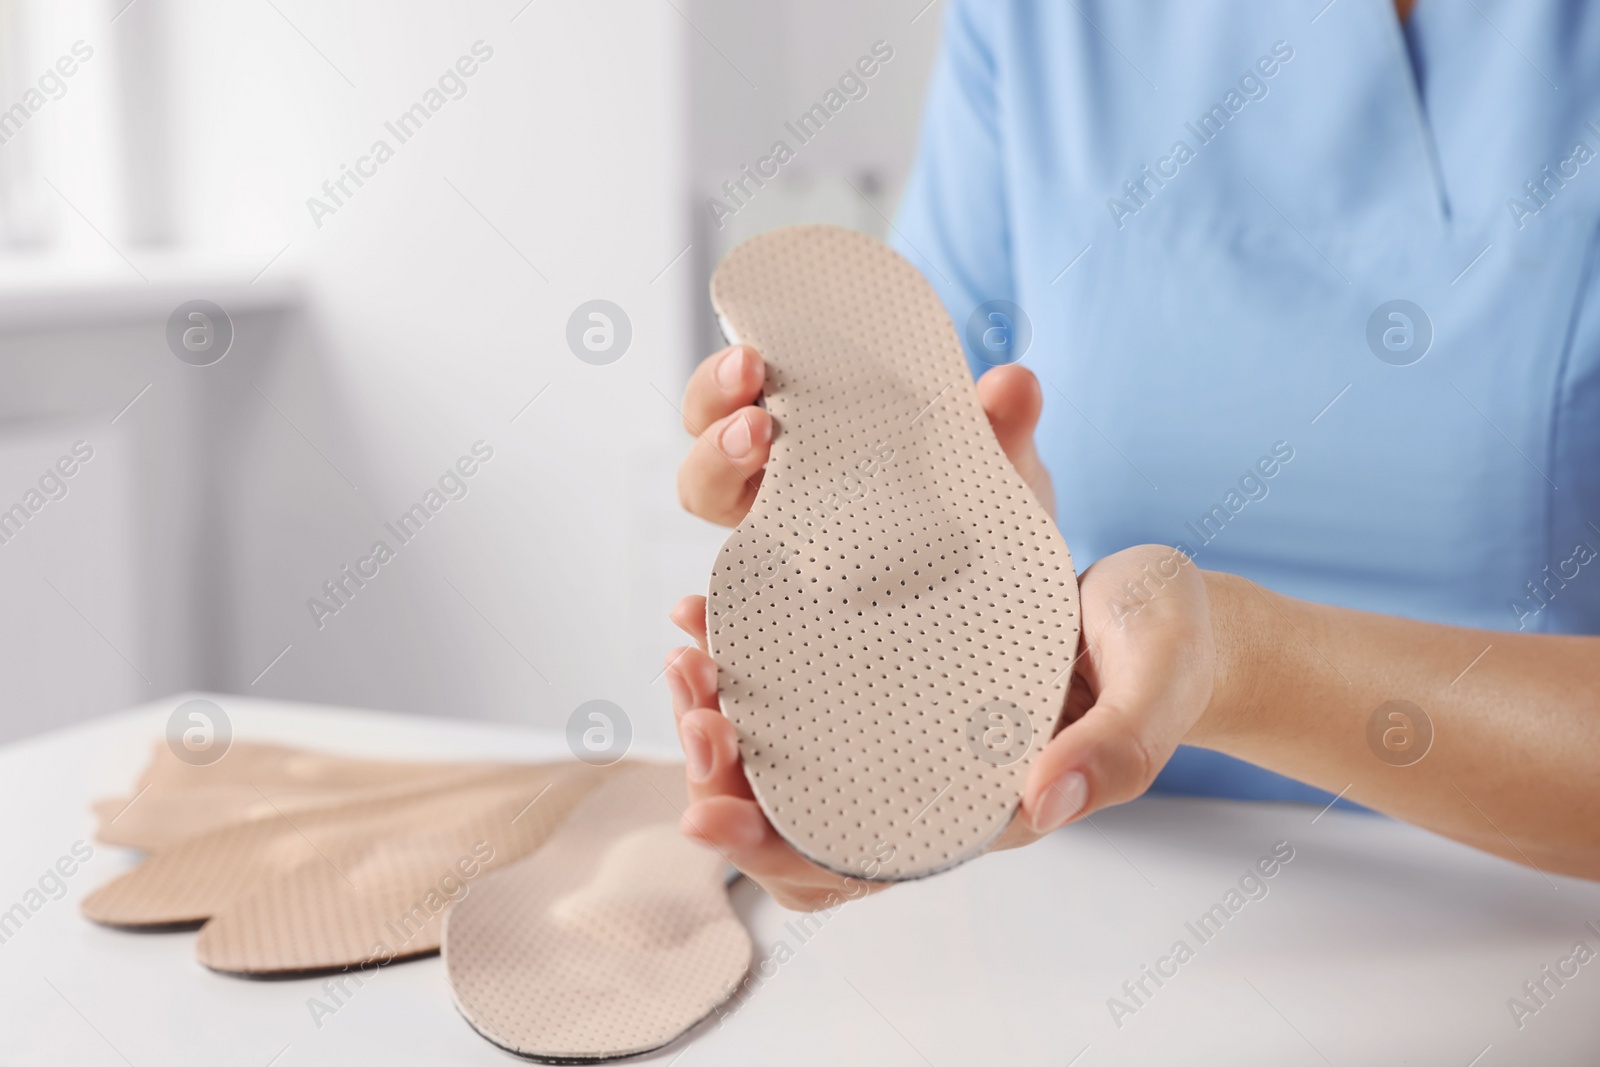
(374, 350)
(439, 295)
(113, 575)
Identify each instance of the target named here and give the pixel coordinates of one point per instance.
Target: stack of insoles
(581, 925)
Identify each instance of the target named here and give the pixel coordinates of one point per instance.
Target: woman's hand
(1146, 664)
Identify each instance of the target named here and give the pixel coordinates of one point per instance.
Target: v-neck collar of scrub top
(1413, 55)
(1355, 95)
(1427, 108)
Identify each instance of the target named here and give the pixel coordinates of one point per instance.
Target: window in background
(836, 83)
(21, 219)
(83, 121)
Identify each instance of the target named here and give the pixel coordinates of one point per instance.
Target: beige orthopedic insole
(895, 621)
(174, 799)
(348, 883)
(382, 899)
(613, 939)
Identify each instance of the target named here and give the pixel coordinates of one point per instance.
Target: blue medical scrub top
(1207, 213)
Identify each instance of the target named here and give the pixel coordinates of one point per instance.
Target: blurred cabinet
(112, 577)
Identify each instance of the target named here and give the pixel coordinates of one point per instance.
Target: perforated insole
(173, 800)
(374, 899)
(343, 885)
(613, 939)
(895, 620)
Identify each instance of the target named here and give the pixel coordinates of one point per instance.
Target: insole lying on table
(613, 939)
(375, 899)
(895, 620)
(592, 929)
(343, 885)
(173, 799)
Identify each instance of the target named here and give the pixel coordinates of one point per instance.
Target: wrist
(1236, 605)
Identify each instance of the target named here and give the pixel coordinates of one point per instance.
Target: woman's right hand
(719, 478)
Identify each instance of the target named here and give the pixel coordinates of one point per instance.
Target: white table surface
(1377, 944)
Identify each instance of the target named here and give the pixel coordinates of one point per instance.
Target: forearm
(1514, 763)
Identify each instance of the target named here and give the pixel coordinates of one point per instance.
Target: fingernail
(681, 697)
(730, 369)
(1060, 802)
(736, 438)
(696, 751)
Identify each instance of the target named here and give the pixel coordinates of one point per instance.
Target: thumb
(1109, 756)
(1012, 399)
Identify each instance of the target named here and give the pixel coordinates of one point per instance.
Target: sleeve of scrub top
(952, 220)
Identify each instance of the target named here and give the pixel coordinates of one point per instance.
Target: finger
(740, 832)
(682, 701)
(1109, 756)
(1012, 399)
(738, 829)
(1052, 764)
(689, 615)
(711, 750)
(699, 673)
(719, 478)
(1018, 832)
(691, 678)
(723, 814)
(722, 384)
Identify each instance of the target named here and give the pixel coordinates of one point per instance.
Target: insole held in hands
(895, 620)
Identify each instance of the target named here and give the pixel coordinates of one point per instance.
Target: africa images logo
(199, 732)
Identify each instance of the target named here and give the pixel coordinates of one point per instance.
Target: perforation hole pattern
(894, 575)
(343, 884)
(613, 939)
